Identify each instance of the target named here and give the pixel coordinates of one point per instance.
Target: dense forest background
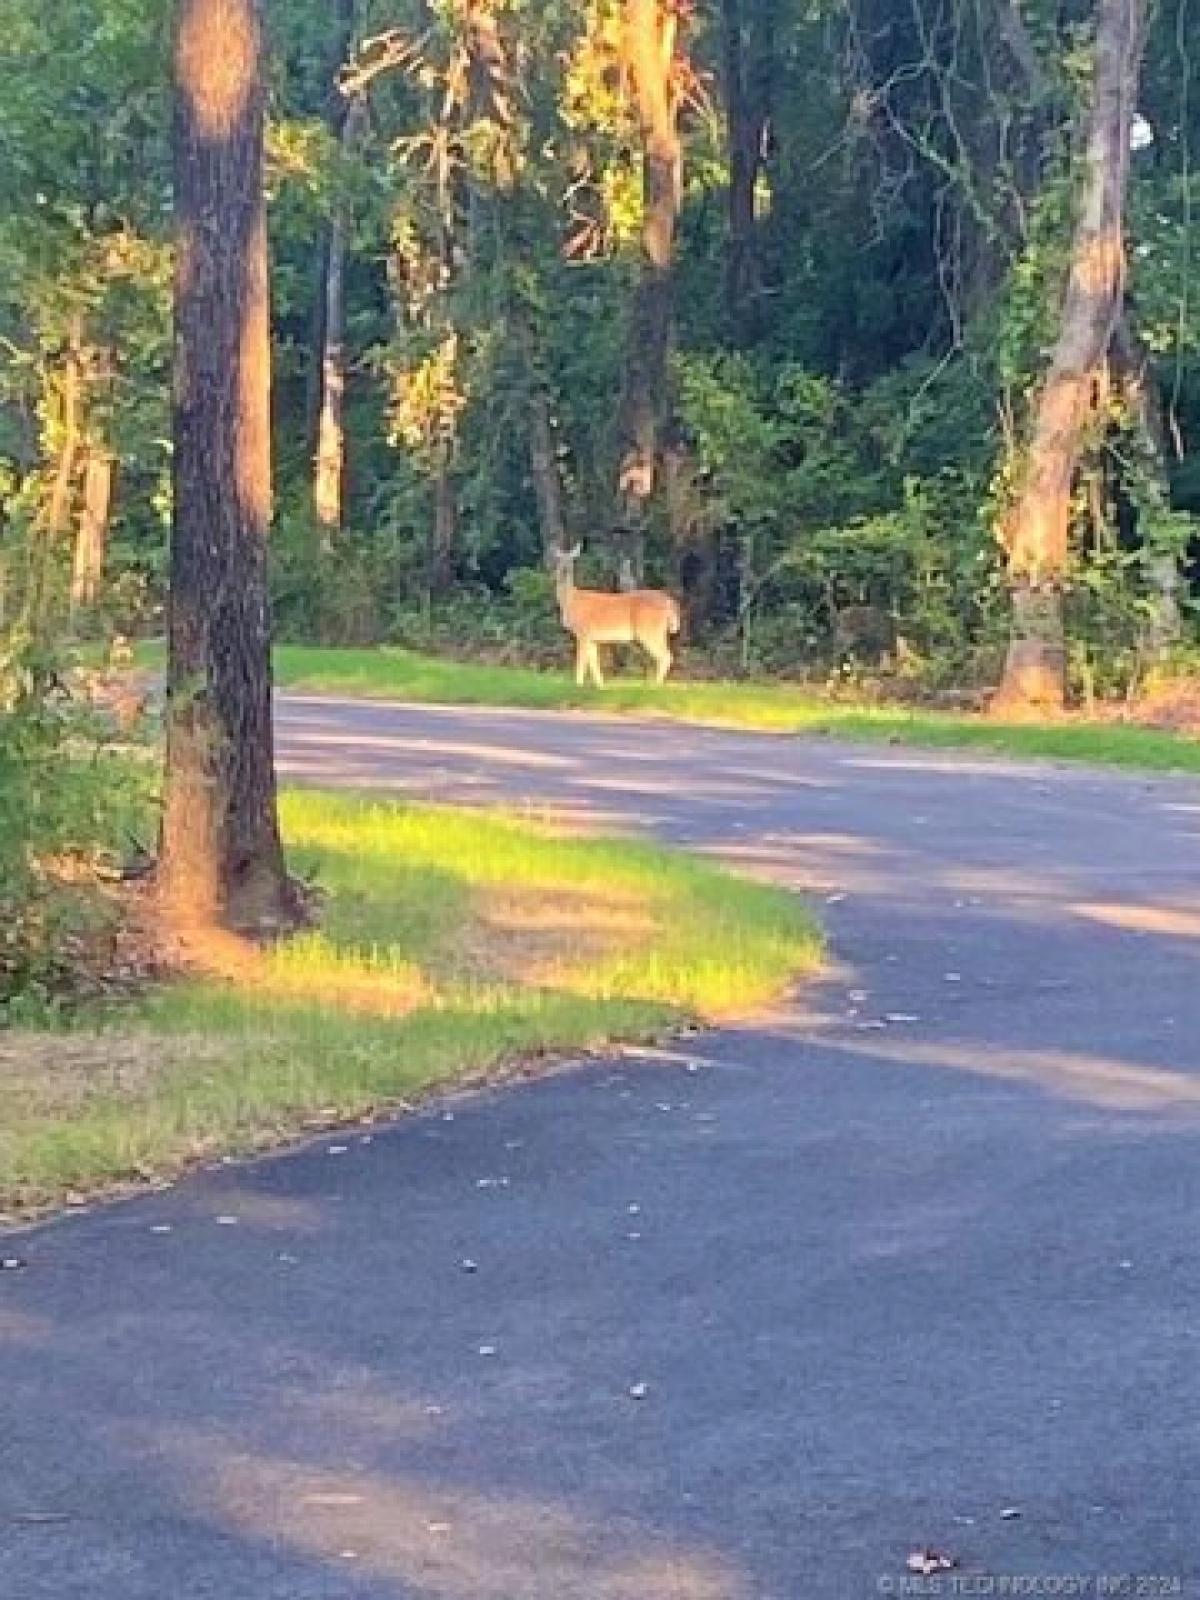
(754, 297)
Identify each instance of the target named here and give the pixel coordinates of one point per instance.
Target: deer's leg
(581, 662)
(594, 657)
(660, 654)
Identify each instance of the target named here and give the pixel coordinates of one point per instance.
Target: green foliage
(65, 801)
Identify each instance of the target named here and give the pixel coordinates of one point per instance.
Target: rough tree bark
(649, 48)
(91, 534)
(221, 859)
(1036, 528)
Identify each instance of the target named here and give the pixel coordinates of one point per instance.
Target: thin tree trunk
(336, 108)
(443, 545)
(1036, 530)
(649, 47)
(543, 466)
(748, 48)
(91, 536)
(543, 455)
(221, 858)
(52, 530)
(63, 485)
(329, 482)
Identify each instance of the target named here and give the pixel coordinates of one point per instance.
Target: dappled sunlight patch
(318, 974)
(1099, 1081)
(1168, 921)
(25, 1329)
(449, 944)
(553, 937)
(442, 1539)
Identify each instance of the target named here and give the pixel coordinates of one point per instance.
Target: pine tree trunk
(91, 537)
(1037, 528)
(649, 47)
(221, 858)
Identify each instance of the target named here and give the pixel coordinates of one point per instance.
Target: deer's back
(620, 618)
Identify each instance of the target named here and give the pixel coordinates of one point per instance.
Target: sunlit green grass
(398, 674)
(769, 707)
(449, 944)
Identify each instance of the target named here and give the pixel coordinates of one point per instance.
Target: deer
(646, 617)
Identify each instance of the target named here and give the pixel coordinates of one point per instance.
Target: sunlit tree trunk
(221, 859)
(1036, 529)
(64, 396)
(649, 47)
(63, 485)
(91, 534)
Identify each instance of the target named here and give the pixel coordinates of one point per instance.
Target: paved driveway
(914, 1262)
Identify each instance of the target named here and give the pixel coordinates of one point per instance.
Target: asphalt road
(913, 1263)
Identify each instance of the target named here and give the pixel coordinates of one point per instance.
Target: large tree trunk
(748, 49)
(1037, 528)
(329, 481)
(222, 862)
(649, 50)
(91, 534)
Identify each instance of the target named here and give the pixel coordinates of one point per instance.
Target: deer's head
(562, 563)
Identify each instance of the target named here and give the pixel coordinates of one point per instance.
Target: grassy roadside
(450, 943)
(390, 672)
(779, 708)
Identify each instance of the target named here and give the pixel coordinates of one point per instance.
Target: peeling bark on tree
(221, 858)
(1037, 527)
(91, 536)
(649, 45)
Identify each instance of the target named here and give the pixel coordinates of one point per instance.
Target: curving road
(915, 1262)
